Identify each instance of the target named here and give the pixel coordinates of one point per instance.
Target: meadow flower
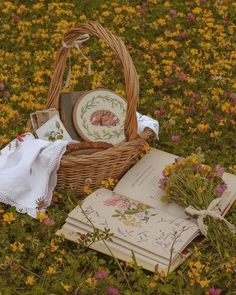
(16, 19)
(219, 170)
(30, 280)
(6, 94)
(214, 291)
(159, 112)
(112, 291)
(220, 189)
(168, 81)
(101, 274)
(2, 86)
(87, 190)
(173, 13)
(41, 216)
(51, 270)
(196, 95)
(163, 182)
(66, 287)
(49, 221)
(91, 282)
(182, 77)
(41, 202)
(191, 109)
(8, 217)
(191, 17)
(175, 138)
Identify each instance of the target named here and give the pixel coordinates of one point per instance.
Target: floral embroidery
(55, 134)
(130, 213)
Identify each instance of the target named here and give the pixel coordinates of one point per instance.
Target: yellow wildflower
(8, 217)
(66, 287)
(189, 120)
(41, 216)
(21, 247)
(87, 190)
(14, 246)
(207, 168)
(110, 182)
(30, 280)
(91, 282)
(51, 270)
(82, 17)
(53, 246)
(1, 210)
(118, 10)
(203, 127)
(40, 256)
(204, 283)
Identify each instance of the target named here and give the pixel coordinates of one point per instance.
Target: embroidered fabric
(28, 173)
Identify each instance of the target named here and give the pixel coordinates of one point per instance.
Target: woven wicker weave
(113, 162)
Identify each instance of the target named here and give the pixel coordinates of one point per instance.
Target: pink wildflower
(196, 95)
(6, 94)
(219, 170)
(215, 291)
(101, 274)
(173, 13)
(191, 17)
(49, 221)
(112, 291)
(2, 86)
(220, 189)
(182, 77)
(175, 138)
(16, 19)
(159, 112)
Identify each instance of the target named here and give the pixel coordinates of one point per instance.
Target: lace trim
(53, 166)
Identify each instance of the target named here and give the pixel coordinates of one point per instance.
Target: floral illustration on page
(130, 213)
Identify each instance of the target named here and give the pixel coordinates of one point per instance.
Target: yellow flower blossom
(53, 246)
(66, 287)
(203, 127)
(14, 246)
(41, 216)
(51, 270)
(87, 190)
(30, 280)
(40, 256)
(204, 283)
(91, 282)
(21, 247)
(8, 217)
(110, 182)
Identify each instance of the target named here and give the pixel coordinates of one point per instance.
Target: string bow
(214, 211)
(76, 44)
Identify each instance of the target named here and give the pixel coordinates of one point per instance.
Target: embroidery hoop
(100, 100)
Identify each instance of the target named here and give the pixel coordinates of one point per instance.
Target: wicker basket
(115, 161)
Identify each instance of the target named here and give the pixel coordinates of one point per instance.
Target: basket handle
(130, 74)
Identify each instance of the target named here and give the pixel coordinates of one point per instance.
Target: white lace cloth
(28, 172)
(28, 169)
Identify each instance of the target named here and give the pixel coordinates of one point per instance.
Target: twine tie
(213, 211)
(76, 44)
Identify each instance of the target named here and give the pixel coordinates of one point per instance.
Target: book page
(229, 196)
(136, 223)
(71, 233)
(141, 182)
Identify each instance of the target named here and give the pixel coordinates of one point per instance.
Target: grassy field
(184, 53)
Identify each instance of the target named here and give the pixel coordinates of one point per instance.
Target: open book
(142, 224)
